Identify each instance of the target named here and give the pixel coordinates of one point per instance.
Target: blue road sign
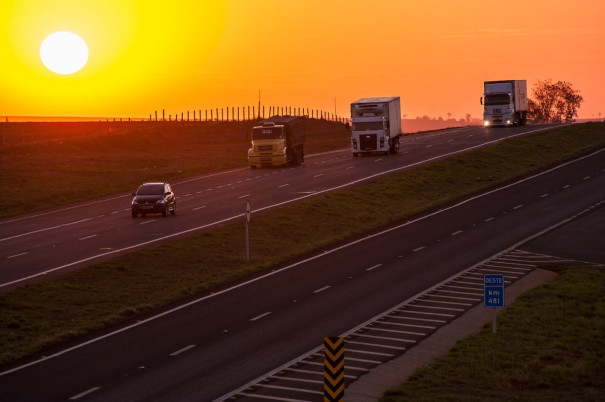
(493, 289)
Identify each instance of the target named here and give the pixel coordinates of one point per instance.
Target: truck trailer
(278, 141)
(504, 103)
(375, 125)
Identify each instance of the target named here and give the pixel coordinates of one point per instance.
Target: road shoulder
(371, 386)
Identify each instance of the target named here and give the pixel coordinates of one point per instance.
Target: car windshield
(267, 133)
(497, 100)
(151, 189)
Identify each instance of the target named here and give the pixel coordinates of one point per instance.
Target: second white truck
(504, 103)
(375, 125)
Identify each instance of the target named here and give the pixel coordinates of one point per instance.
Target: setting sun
(146, 56)
(64, 52)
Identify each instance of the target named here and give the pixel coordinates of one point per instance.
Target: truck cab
(277, 142)
(504, 103)
(371, 134)
(499, 109)
(375, 125)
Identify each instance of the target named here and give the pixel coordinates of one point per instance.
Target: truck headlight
(508, 122)
(486, 123)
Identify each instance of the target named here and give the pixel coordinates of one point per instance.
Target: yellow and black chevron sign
(334, 369)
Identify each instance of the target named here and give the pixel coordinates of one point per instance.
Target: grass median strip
(549, 346)
(47, 313)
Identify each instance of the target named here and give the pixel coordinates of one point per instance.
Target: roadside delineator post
(334, 369)
(248, 216)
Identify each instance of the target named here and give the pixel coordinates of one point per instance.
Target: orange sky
(193, 54)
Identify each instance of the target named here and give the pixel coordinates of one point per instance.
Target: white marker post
(248, 213)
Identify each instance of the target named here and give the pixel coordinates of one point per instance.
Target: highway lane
(221, 341)
(37, 245)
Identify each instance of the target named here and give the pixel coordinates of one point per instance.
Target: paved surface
(581, 239)
(390, 375)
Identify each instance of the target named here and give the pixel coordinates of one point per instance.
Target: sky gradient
(191, 55)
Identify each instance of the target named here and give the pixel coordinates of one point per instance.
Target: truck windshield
(367, 125)
(497, 100)
(267, 133)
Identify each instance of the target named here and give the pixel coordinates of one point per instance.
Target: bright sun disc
(64, 52)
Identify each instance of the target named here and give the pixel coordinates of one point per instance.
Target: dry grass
(51, 164)
(38, 316)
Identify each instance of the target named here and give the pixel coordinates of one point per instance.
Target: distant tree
(468, 117)
(554, 101)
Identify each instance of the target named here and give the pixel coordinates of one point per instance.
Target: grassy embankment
(52, 164)
(550, 346)
(40, 315)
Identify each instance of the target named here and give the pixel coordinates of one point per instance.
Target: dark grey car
(154, 198)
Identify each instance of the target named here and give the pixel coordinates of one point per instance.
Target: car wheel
(134, 214)
(173, 212)
(165, 211)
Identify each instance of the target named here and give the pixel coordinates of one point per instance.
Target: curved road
(217, 343)
(36, 245)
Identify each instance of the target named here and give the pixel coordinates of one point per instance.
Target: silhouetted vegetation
(554, 102)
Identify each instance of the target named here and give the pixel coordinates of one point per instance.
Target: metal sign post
(493, 290)
(248, 213)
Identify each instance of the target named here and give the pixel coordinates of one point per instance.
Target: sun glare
(64, 52)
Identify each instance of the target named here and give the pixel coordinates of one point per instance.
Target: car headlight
(134, 201)
(486, 123)
(160, 202)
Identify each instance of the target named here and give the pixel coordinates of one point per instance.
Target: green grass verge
(44, 314)
(550, 346)
(51, 164)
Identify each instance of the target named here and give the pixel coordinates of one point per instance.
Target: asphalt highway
(220, 341)
(38, 245)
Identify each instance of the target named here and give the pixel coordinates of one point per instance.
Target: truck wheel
(355, 154)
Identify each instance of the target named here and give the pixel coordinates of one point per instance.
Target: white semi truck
(504, 103)
(375, 125)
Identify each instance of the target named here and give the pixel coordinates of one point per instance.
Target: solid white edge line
(183, 306)
(386, 172)
(366, 323)
(201, 177)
